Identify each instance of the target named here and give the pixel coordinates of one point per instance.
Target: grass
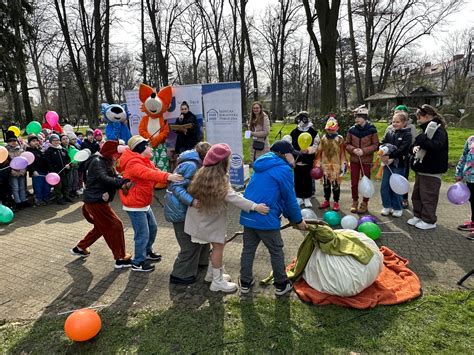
(440, 322)
(457, 137)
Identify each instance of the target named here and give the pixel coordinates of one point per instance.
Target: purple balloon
(19, 163)
(459, 193)
(367, 218)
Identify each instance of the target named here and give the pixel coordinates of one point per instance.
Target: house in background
(391, 97)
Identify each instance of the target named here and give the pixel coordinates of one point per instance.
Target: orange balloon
(3, 154)
(82, 325)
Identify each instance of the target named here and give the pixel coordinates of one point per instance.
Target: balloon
(308, 213)
(53, 179)
(332, 218)
(72, 153)
(19, 163)
(366, 187)
(3, 154)
(459, 193)
(52, 118)
(68, 129)
(6, 214)
(33, 127)
(399, 184)
(82, 325)
(367, 218)
(15, 130)
(316, 173)
(287, 138)
(121, 148)
(370, 229)
(304, 140)
(29, 156)
(81, 156)
(349, 222)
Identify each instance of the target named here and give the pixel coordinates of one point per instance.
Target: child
(90, 143)
(330, 157)
(98, 136)
(38, 170)
(465, 171)
(17, 178)
(399, 136)
(361, 143)
(80, 138)
(58, 162)
(136, 166)
(177, 200)
(208, 224)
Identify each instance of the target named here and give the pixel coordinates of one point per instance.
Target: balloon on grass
(370, 229)
(366, 187)
(367, 218)
(332, 218)
(6, 214)
(399, 184)
(33, 127)
(316, 173)
(28, 156)
(52, 118)
(349, 222)
(3, 154)
(15, 130)
(304, 140)
(82, 325)
(459, 193)
(19, 163)
(53, 179)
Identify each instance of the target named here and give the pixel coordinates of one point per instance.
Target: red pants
(106, 223)
(356, 174)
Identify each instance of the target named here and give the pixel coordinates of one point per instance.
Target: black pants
(471, 200)
(336, 190)
(303, 181)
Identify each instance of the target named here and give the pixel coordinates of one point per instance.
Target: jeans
(41, 188)
(274, 243)
(17, 184)
(389, 198)
(145, 228)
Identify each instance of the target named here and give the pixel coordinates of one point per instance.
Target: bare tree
(355, 57)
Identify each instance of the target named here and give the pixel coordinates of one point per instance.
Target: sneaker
(413, 221)
(423, 225)
(300, 201)
(385, 211)
(307, 203)
(143, 267)
(123, 263)
(153, 257)
(466, 227)
(470, 236)
(325, 204)
(397, 213)
(282, 290)
(246, 287)
(335, 206)
(79, 252)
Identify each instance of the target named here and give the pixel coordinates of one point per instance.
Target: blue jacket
(177, 198)
(272, 184)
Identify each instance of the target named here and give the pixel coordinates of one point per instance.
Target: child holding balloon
(18, 166)
(58, 162)
(38, 170)
(465, 172)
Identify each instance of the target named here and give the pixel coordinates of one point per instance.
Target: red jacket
(144, 175)
(56, 128)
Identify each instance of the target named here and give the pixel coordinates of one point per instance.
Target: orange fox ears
(166, 96)
(144, 92)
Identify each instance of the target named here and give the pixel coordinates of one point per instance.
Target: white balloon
(399, 184)
(349, 222)
(68, 129)
(366, 187)
(287, 138)
(81, 156)
(308, 213)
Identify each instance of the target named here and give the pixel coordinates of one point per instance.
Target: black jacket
(101, 178)
(40, 164)
(304, 158)
(57, 159)
(93, 147)
(190, 139)
(402, 140)
(436, 158)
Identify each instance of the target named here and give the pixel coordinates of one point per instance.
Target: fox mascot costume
(153, 126)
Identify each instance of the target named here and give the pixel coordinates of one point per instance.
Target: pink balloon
(53, 179)
(52, 118)
(29, 156)
(19, 163)
(121, 148)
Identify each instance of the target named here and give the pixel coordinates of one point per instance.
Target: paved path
(40, 277)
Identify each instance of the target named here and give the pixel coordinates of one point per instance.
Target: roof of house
(393, 93)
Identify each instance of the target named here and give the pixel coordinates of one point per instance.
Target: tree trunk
(355, 60)
(106, 60)
(243, 91)
(343, 103)
(142, 29)
(162, 63)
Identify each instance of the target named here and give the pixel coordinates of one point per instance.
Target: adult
(102, 183)
(57, 128)
(429, 162)
(271, 184)
(186, 138)
(259, 126)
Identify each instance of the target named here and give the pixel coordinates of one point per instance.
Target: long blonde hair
(210, 186)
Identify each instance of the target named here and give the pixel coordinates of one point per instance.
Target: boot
(219, 284)
(355, 204)
(208, 277)
(363, 208)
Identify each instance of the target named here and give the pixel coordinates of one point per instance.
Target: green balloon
(33, 127)
(6, 214)
(72, 153)
(370, 229)
(332, 218)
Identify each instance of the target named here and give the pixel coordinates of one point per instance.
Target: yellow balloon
(304, 140)
(15, 130)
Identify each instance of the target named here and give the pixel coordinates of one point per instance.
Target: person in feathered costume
(153, 126)
(116, 117)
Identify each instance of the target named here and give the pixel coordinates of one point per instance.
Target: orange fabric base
(395, 284)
